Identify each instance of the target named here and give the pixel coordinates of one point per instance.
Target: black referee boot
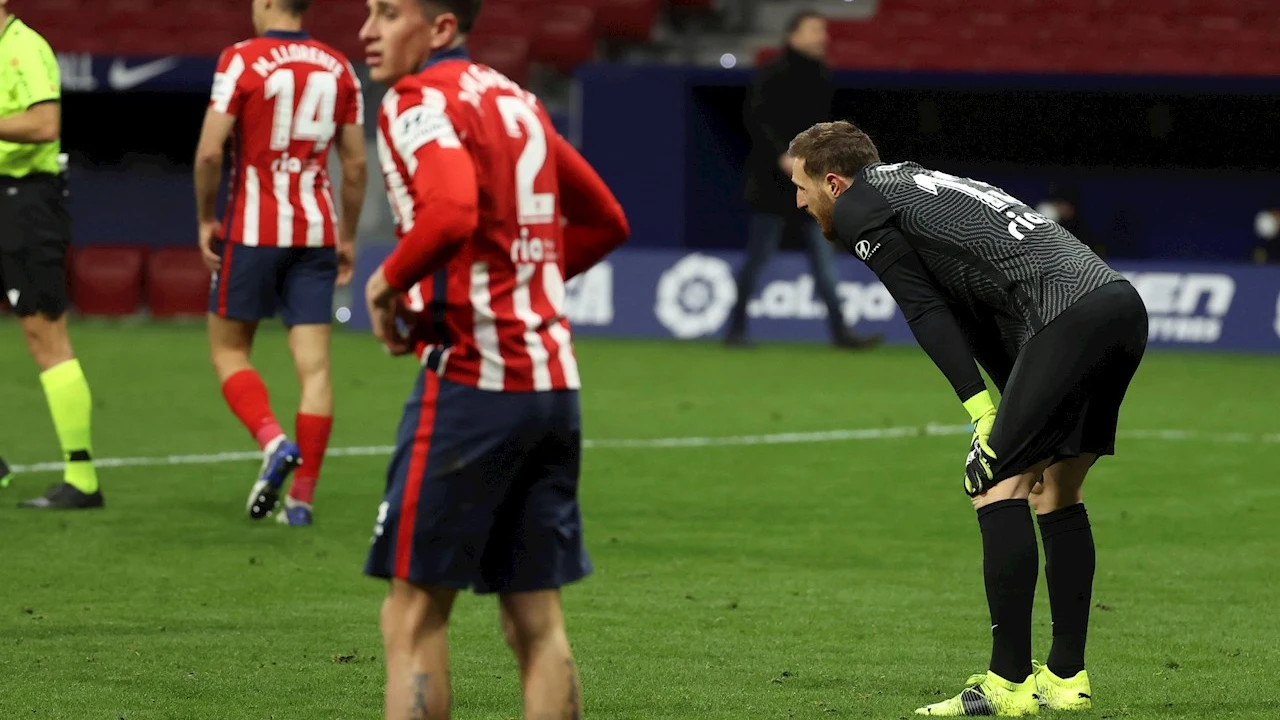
(64, 496)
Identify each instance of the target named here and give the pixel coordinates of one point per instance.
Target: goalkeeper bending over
(981, 276)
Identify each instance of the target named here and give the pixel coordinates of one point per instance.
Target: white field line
(791, 438)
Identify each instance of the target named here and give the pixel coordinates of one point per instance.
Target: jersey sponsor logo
(588, 297)
(421, 125)
(526, 249)
(864, 251)
(1025, 221)
(695, 296)
(1185, 307)
(796, 300)
(122, 77)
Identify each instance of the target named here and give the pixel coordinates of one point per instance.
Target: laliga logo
(695, 296)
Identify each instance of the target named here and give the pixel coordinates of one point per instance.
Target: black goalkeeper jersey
(975, 270)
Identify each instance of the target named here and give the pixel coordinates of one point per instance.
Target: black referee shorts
(1063, 396)
(35, 232)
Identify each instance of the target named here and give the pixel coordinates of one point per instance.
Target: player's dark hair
(798, 19)
(466, 10)
(834, 147)
(296, 7)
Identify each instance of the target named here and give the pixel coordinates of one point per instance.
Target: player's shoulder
(888, 176)
(248, 45)
(31, 39)
(860, 208)
(415, 112)
(415, 91)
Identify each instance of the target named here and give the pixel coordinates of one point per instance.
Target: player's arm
(445, 194)
(37, 124)
(351, 154)
(597, 225)
(445, 212)
(900, 268)
(225, 100)
(37, 87)
(208, 162)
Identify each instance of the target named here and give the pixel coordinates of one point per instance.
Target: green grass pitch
(800, 580)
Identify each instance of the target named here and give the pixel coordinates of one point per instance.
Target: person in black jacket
(788, 95)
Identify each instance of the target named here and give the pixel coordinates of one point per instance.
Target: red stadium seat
(626, 19)
(507, 54)
(565, 37)
(765, 54)
(1213, 36)
(177, 282)
(107, 280)
(503, 19)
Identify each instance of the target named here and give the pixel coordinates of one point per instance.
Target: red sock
(313, 440)
(247, 397)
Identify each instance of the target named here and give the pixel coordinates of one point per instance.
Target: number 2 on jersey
(533, 208)
(316, 108)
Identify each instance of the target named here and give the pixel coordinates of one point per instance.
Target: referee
(35, 232)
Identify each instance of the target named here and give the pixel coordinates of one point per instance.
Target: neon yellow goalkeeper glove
(981, 458)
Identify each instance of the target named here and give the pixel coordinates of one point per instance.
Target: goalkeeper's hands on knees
(979, 462)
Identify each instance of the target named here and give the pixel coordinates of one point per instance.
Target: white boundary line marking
(888, 433)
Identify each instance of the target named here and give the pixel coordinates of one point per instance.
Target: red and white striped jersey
(289, 95)
(493, 318)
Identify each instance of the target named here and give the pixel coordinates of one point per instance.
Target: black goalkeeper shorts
(35, 233)
(1065, 390)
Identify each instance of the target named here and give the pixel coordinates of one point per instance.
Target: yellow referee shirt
(29, 75)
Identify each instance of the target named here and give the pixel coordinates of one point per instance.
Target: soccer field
(750, 562)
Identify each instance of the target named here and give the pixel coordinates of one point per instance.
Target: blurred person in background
(1062, 205)
(1266, 225)
(788, 94)
(35, 233)
(282, 244)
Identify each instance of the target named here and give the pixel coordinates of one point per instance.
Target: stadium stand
(512, 34)
(108, 280)
(177, 282)
(1090, 36)
(1132, 36)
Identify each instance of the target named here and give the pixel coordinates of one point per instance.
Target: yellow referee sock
(71, 406)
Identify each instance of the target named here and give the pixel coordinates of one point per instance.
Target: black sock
(1069, 562)
(1010, 565)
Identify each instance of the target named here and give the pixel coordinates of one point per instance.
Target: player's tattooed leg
(418, 700)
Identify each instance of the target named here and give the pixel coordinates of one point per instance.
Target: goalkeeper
(981, 276)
